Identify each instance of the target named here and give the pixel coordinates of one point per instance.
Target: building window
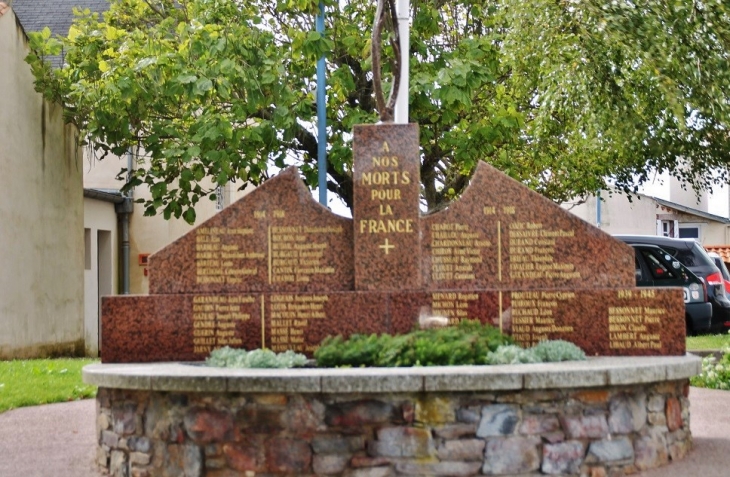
(667, 228)
(689, 232)
(220, 197)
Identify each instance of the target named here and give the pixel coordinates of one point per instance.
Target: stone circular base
(602, 417)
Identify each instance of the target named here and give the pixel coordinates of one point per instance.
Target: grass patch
(42, 381)
(707, 341)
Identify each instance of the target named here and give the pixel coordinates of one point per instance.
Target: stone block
(242, 456)
(511, 455)
(139, 458)
(337, 444)
(563, 458)
(469, 415)
(205, 425)
(679, 449)
(402, 442)
(408, 412)
(359, 413)
(109, 439)
(650, 451)
(102, 457)
(185, 460)
(139, 444)
(261, 419)
(674, 414)
(288, 455)
(498, 420)
(610, 451)
(455, 431)
(627, 413)
(124, 418)
(139, 472)
(461, 450)
(539, 424)
(371, 472)
(591, 396)
(102, 422)
(585, 427)
(330, 464)
(118, 466)
(213, 463)
(597, 472)
(656, 403)
(434, 410)
(657, 419)
(304, 415)
(358, 461)
(452, 469)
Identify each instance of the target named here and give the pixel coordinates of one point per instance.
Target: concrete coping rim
(595, 372)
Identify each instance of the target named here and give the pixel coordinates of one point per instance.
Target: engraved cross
(386, 246)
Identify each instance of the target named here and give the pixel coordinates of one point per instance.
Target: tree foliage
(565, 96)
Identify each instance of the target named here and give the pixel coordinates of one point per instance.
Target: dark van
(691, 254)
(655, 267)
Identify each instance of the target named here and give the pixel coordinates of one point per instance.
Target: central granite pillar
(385, 207)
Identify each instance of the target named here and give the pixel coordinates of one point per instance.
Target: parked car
(655, 267)
(723, 270)
(693, 256)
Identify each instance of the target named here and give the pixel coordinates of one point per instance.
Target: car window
(687, 258)
(657, 268)
(721, 265)
(638, 272)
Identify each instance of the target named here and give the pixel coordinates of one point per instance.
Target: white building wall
(101, 258)
(148, 234)
(41, 238)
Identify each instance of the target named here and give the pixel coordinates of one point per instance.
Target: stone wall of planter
(587, 431)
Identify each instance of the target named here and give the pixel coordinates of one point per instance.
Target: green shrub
(228, 357)
(511, 354)
(549, 351)
(466, 343)
(553, 351)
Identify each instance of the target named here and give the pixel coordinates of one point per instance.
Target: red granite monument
(280, 271)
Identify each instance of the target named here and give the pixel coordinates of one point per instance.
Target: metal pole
(401, 105)
(321, 117)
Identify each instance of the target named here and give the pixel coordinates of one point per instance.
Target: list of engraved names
(215, 319)
(532, 252)
(534, 315)
(452, 305)
(635, 327)
(219, 261)
(298, 253)
(455, 250)
(290, 316)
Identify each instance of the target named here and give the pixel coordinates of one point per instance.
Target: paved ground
(58, 440)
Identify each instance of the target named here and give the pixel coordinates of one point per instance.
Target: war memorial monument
(277, 270)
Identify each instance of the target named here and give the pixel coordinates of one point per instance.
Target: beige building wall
(42, 233)
(687, 196)
(148, 234)
(618, 215)
(101, 246)
(639, 217)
